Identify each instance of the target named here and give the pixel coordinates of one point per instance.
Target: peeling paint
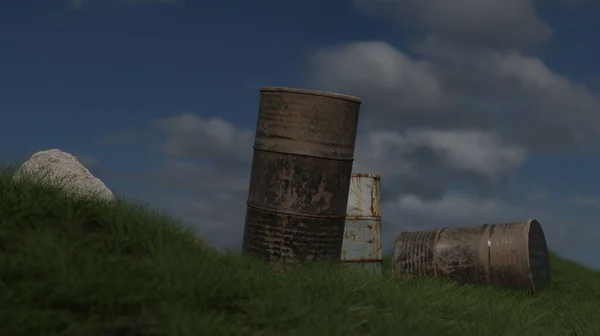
(362, 231)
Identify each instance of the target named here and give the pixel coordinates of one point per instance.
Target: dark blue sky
(80, 74)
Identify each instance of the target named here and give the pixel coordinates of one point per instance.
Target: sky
(472, 112)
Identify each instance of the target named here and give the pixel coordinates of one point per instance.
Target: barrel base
(373, 267)
(285, 239)
(362, 244)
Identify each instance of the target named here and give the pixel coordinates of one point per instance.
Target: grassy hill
(71, 267)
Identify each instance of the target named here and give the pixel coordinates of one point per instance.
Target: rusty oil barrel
(362, 234)
(510, 255)
(301, 169)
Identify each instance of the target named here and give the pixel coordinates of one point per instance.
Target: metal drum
(362, 235)
(301, 169)
(511, 255)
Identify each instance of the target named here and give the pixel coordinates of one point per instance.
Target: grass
(78, 267)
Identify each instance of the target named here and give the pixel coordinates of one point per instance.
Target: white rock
(62, 169)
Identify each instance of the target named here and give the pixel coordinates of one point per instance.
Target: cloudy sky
(474, 111)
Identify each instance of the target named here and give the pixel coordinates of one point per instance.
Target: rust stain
(499, 254)
(375, 203)
(362, 239)
(364, 198)
(322, 194)
(301, 167)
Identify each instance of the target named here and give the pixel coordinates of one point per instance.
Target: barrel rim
(373, 176)
(533, 284)
(310, 92)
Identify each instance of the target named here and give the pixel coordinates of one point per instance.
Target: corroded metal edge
(540, 272)
(310, 92)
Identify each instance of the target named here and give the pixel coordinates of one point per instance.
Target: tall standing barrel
(362, 234)
(303, 155)
(510, 255)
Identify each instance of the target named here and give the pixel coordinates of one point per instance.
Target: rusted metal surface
(301, 169)
(363, 198)
(510, 255)
(362, 233)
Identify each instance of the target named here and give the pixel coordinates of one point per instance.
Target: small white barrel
(362, 233)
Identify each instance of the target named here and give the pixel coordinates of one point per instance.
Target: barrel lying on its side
(512, 255)
(303, 154)
(362, 234)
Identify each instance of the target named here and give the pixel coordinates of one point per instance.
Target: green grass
(71, 267)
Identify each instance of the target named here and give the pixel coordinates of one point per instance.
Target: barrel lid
(367, 175)
(310, 92)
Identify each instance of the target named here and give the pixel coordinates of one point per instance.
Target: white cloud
(426, 161)
(516, 96)
(491, 22)
(379, 71)
(453, 207)
(191, 136)
(477, 151)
